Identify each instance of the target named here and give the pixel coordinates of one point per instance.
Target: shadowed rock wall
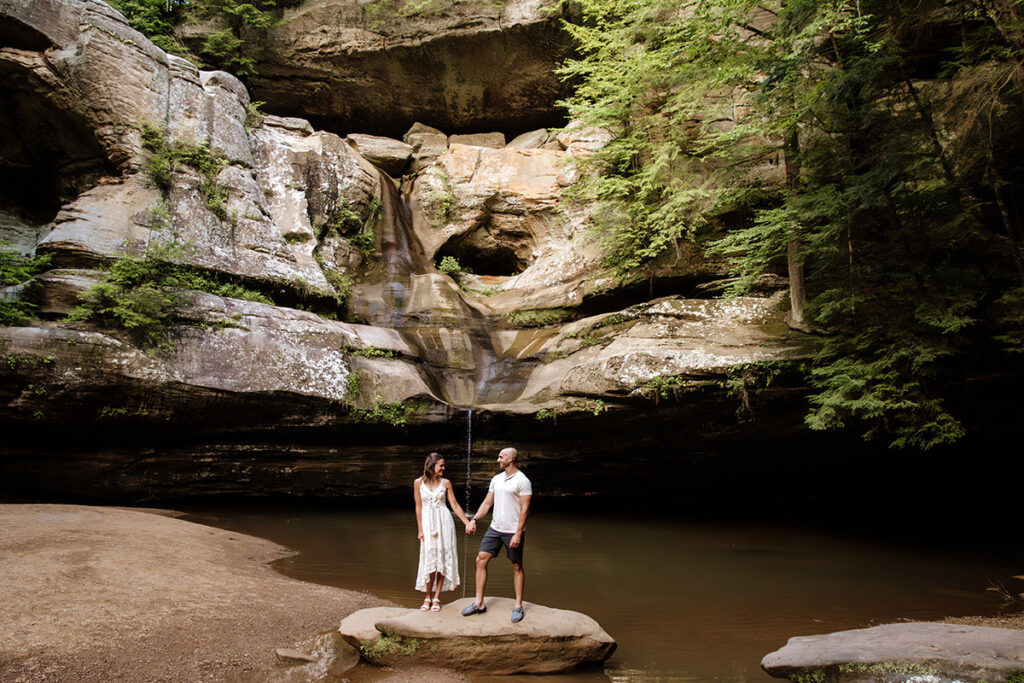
(373, 68)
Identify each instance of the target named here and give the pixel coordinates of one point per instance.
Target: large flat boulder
(548, 640)
(902, 652)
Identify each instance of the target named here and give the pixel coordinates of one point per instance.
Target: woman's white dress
(437, 549)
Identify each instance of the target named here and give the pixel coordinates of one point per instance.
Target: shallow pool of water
(686, 601)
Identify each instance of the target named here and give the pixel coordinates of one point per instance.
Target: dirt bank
(108, 594)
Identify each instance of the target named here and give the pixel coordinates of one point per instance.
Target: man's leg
(518, 581)
(481, 576)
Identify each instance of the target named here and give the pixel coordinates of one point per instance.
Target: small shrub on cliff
(450, 265)
(17, 269)
(366, 238)
(140, 295)
(164, 158)
(342, 220)
(227, 51)
(384, 412)
(144, 294)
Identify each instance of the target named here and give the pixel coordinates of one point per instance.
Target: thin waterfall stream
(469, 477)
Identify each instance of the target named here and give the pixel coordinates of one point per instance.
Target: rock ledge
(547, 641)
(934, 652)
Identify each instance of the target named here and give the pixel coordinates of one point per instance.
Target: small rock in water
(289, 655)
(914, 651)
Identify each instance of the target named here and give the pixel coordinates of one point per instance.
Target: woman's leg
(438, 585)
(429, 590)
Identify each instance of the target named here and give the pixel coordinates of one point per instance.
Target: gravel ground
(111, 594)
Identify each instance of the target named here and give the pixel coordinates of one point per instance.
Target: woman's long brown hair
(428, 466)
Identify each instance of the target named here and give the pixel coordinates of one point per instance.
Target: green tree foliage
(155, 19)
(232, 48)
(17, 276)
(901, 164)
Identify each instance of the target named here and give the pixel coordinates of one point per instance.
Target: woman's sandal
(436, 606)
(426, 605)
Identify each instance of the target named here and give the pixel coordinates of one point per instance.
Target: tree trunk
(797, 289)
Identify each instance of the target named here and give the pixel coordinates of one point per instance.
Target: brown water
(686, 601)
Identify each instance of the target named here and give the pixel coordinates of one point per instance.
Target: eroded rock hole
(47, 156)
(485, 252)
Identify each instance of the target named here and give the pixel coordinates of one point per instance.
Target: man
(510, 492)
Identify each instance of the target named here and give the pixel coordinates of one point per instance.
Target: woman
(439, 569)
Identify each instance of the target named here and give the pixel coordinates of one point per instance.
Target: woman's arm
(455, 504)
(419, 508)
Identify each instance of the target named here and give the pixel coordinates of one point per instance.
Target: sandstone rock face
(492, 140)
(547, 641)
(530, 140)
(692, 341)
(103, 84)
(310, 220)
(902, 652)
(497, 210)
(259, 350)
(375, 67)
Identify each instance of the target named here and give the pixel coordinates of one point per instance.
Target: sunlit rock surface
(233, 347)
(693, 341)
(936, 653)
(548, 640)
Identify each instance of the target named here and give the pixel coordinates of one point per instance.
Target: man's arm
(481, 511)
(524, 509)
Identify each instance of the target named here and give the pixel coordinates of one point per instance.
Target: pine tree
(895, 216)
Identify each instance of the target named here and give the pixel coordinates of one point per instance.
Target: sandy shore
(109, 594)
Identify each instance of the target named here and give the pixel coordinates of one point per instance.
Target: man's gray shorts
(493, 541)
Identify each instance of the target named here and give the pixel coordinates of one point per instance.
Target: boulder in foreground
(902, 652)
(547, 641)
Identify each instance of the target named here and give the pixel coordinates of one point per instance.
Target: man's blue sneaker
(473, 609)
(517, 615)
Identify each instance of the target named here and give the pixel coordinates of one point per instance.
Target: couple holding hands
(509, 493)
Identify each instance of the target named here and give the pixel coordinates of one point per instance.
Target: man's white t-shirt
(507, 491)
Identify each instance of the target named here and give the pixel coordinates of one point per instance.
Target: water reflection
(685, 601)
